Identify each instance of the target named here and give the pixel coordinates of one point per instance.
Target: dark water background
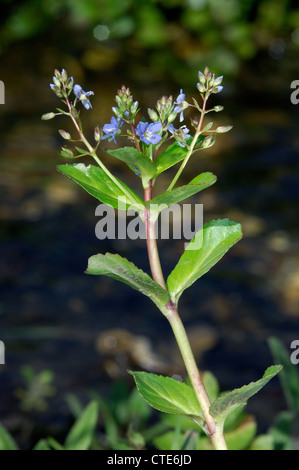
(51, 313)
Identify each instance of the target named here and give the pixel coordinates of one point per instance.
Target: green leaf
(262, 442)
(123, 270)
(173, 154)
(167, 199)
(136, 161)
(229, 401)
(81, 434)
(54, 444)
(97, 183)
(241, 437)
(42, 444)
(284, 430)
(289, 377)
(203, 252)
(167, 394)
(6, 441)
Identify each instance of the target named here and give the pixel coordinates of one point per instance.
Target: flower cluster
(148, 133)
(126, 108)
(143, 133)
(208, 83)
(62, 85)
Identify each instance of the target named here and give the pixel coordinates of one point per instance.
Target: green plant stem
(151, 242)
(192, 145)
(215, 434)
(171, 313)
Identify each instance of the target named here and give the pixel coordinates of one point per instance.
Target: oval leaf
(136, 161)
(82, 432)
(167, 394)
(97, 183)
(167, 199)
(204, 251)
(173, 154)
(6, 440)
(123, 270)
(229, 401)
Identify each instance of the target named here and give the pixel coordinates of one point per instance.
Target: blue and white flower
(112, 129)
(149, 133)
(83, 96)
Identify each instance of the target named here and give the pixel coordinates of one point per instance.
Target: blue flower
(148, 133)
(181, 105)
(83, 96)
(180, 135)
(112, 129)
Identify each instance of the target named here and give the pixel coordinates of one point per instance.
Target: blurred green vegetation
(124, 421)
(169, 36)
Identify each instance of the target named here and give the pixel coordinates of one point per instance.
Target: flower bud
(171, 117)
(207, 127)
(217, 89)
(64, 75)
(212, 80)
(202, 78)
(64, 134)
(70, 83)
(223, 129)
(97, 134)
(207, 73)
(201, 88)
(134, 107)
(56, 82)
(117, 112)
(66, 153)
(194, 122)
(218, 108)
(153, 115)
(218, 81)
(47, 116)
(208, 142)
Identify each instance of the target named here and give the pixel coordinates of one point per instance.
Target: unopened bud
(64, 75)
(66, 153)
(218, 81)
(217, 89)
(202, 78)
(70, 83)
(208, 142)
(47, 116)
(153, 115)
(218, 108)
(223, 129)
(201, 88)
(97, 134)
(56, 81)
(134, 107)
(207, 73)
(64, 134)
(117, 112)
(171, 117)
(207, 127)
